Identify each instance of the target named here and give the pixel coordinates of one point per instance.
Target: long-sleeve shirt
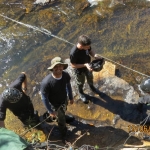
(54, 91)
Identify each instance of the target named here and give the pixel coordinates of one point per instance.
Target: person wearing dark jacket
(15, 99)
(54, 90)
(144, 99)
(80, 57)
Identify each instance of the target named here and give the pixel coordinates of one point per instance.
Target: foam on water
(112, 2)
(6, 43)
(41, 2)
(116, 2)
(94, 2)
(42, 30)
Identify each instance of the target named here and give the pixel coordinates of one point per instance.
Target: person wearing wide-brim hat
(54, 90)
(55, 61)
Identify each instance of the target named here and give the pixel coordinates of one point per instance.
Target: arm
(46, 102)
(92, 53)
(69, 91)
(2, 124)
(47, 105)
(73, 65)
(3, 107)
(81, 66)
(44, 89)
(24, 83)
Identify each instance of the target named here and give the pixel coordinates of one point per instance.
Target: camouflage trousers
(80, 79)
(61, 118)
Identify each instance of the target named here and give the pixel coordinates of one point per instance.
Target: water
(36, 29)
(31, 36)
(119, 31)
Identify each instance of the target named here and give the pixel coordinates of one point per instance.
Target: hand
(71, 101)
(53, 114)
(24, 91)
(88, 67)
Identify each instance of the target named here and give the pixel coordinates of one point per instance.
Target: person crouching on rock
(15, 99)
(144, 101)
(54, 90)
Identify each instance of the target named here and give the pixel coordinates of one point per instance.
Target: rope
(50, 34)
(133, 133)
(42, 30)
(124, 66)
(33, 127)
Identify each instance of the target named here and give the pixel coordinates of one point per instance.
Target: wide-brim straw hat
(55, 61)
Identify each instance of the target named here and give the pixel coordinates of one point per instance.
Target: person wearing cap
(54, 90)
(80, 57)
(15, 99)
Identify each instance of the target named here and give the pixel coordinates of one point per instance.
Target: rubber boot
(96, 91)
(82, 96)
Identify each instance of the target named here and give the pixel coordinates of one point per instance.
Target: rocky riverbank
(104, 122)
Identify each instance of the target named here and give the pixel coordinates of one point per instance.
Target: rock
(120, 98)
(41, 2)
(107, 82)
(94, 2)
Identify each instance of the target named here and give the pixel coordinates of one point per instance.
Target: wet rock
(41, 2)
(116, 118)
(107, 82)
(120, 98)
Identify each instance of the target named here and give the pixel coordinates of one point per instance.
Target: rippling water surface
(32, 34)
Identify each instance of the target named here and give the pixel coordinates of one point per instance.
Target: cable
(124, 66)
(50, 34)
(45, 31)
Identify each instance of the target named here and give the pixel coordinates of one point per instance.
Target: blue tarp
(11, 141)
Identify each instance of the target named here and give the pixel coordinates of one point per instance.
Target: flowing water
(30, 35)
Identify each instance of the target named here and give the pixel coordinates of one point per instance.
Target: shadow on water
(134, 113)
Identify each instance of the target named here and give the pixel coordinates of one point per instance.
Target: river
(31, 35)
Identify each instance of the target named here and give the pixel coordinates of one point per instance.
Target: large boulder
(120, 98)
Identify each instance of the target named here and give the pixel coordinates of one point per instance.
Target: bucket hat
(55, 61)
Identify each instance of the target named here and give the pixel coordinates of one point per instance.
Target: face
(57, 70)
(83, 47)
